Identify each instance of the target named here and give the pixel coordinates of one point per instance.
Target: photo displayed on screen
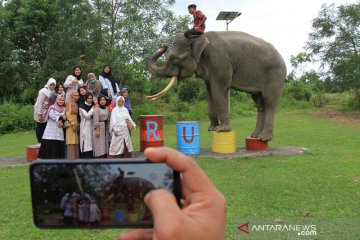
(96, 195)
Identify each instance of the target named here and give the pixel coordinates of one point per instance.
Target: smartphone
(100, 193)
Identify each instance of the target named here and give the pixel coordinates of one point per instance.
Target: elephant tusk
(164, 91)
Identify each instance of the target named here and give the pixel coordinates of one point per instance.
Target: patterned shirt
(198, 17)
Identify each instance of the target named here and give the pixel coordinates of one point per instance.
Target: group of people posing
(91, 119)
(81, 210)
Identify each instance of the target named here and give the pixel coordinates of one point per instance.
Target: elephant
(131, 188)
(225, 60)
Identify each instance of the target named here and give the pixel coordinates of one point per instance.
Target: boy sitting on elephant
(199, 22)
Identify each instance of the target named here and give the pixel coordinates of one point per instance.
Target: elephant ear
(197, 47)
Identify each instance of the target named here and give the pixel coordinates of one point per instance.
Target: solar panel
(228, 15)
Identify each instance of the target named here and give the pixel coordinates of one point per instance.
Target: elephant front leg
(214, 121)
(221, 100)
(260, 114)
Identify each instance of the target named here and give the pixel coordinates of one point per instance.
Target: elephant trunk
(154, 69)
(160, 72)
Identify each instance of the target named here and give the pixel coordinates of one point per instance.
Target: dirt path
(205, 152)
(12, 161)
(352, 118)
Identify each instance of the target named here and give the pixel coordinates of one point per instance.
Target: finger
(139, 234)
(164, 208)
(193, 178)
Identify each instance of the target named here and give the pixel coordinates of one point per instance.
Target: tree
(46, 38)
(131, 32)
(335, 44)
(7, 77)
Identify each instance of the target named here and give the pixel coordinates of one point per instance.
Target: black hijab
(106, 103)
(110, 77)
(84, 105)
(104, 93)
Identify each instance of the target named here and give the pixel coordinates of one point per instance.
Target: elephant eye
(176, 61)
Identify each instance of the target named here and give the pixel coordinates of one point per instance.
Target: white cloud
(284, 23)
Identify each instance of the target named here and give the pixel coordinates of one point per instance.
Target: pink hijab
(56, 106)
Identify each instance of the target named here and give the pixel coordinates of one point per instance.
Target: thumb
(163, 206)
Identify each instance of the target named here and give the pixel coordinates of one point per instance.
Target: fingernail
(147, 196)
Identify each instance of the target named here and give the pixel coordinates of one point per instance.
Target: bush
(298, 90)
(16, 117)
(189, 89)
(291, 103)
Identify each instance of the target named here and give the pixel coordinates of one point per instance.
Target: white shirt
(71, 87)
(106, 84)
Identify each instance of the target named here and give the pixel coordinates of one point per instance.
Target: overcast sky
(284, 23)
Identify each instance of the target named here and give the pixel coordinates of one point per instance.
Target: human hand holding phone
(203, 214)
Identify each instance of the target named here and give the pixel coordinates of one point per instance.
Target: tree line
(330, 62)
(46, 38)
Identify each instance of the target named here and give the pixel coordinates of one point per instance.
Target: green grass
(324, 183)
(13, 145)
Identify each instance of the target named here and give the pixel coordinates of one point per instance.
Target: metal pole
(227, 29)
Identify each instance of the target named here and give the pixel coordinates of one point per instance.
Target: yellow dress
(72, 137)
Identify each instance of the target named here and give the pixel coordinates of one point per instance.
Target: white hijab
(119, 115)
(46, 89)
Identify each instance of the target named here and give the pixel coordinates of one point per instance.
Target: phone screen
(97, 193)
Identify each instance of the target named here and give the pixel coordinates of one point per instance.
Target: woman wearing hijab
(93, 86)
(73, 82)
(82, 91)
(125, 93)
(86, 111)
(121, 145)
(52, 145)
(101, 135)
(59, 89)
(41, 107)
(72, 136)
(108, 82)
